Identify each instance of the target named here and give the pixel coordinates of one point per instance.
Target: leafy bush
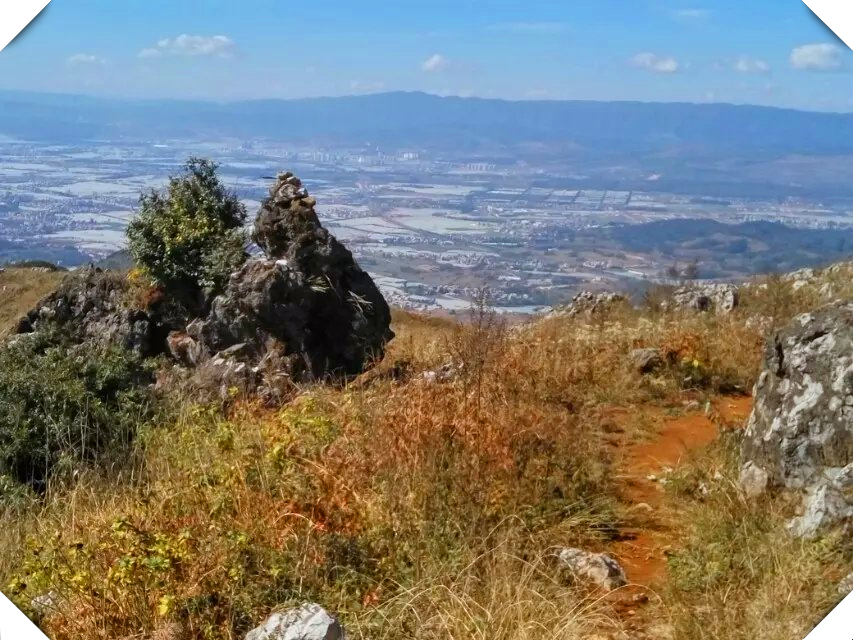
(191, 237)
(63, 406)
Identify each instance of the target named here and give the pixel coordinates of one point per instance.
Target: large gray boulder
(308, 622)
(305, 307)
(800, 434)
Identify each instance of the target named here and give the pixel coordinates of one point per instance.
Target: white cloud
(693, 15)
(654, 63)
(529, 27)
(80, 59)
(436, 63)
(367, 87)
(817, 57)
(746, 64)
(187, 45)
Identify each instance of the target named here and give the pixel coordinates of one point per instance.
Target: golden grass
(739, 575)
(423, 509)
(361, 498)
(20, 290)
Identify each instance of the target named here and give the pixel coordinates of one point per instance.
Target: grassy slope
(20, 290)
(428, 510)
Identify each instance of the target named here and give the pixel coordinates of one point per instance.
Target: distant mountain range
(419, 119)
(712, 149)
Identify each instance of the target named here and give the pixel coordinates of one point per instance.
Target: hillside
(20, 289)
(426, 498)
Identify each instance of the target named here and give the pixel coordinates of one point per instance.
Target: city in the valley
(432, 228)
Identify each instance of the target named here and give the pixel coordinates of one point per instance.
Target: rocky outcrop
(800, 434)
(89, 306)
(800, 278)
(302, 311)
(827, 504)
(720, 298)
(590, 303)
(305, 307)
(308, 622)
(185, 349)
(598, 568)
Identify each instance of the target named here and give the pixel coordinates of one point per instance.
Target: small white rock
(308, 622)
(598, 568)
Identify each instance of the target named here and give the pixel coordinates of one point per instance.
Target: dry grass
(20, 290)
(497, 596)
(391, 502)
(739, 574)
(424, 509)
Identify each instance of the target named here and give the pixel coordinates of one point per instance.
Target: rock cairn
(304, 309)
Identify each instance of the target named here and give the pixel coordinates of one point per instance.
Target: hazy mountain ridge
(422, 119)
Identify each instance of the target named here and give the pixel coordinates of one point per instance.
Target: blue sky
(760, 51)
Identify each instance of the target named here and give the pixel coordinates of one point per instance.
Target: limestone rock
(447, 372)
(308, 622)
(827, 504)
(590, 303)
(646, 360)
(286, 217)
(598, 568)
(800, 278)
(753, 479)
(720, 298)
(46, 604)
(303, 311)
(185, 349)
(88, 306)
(228, 374)
(800, 432)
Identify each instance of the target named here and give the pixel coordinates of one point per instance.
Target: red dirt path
(642, 551)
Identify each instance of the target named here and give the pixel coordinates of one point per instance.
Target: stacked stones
(305, 308)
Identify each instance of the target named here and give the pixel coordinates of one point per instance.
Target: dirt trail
(642, 549)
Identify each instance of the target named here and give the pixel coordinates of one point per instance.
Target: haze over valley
(438, 197)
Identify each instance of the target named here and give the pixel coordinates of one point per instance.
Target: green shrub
(191, 237)
(64, 406)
